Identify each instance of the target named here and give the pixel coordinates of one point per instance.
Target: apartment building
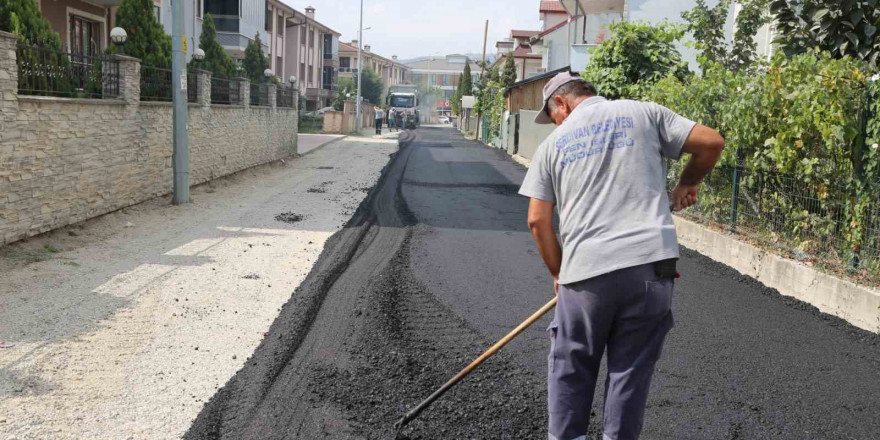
(519, 47)
(442, 73)
(302, 47)
(391, 71)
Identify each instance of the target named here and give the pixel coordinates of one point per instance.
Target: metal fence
(49, 72)
(225, 90)
(156, 85)
(817, 223)
(259, 94)
(286, 97)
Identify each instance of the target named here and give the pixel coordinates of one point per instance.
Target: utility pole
(358, 99)
(482, 72)
(180, 157)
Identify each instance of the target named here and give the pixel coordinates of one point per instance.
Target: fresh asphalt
(438, 263)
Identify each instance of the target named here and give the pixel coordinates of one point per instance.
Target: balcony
(316, 92)
(226, 23)
(578, 7)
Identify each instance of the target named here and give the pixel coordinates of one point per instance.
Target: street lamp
(268, 74)
(198, 55)
(292, 81)
(118, 36)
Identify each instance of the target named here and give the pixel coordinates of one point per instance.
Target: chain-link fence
(817, 223)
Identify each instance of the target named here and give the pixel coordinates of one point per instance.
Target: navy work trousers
(628, 312)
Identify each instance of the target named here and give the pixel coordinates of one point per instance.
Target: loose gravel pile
(411, 345)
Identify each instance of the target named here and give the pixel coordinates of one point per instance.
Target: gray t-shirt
(604, 168)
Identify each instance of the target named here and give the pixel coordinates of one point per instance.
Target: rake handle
(412, 414)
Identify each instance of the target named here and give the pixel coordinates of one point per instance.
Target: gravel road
(123, 326)
(437, 264)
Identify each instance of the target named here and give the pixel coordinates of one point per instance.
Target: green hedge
(802, 133)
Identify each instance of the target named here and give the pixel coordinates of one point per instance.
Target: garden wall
(64, 160)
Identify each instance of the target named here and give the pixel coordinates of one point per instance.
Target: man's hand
(684, 196)
(704, 145)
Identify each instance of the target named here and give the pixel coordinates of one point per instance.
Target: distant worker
(391, 119)
(603, 170)
(398, 120)
(378, 112)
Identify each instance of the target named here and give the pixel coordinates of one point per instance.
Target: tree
(346, 89)
(147, 39)
(371, 86)
(466, 86)
(635, 57)
(508, 75)
(841, 27)
(707, 27)
(456, 96)
(23, 18)
(217, 60)
(255, 61)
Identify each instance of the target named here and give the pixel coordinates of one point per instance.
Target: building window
(223, 7)
(302, 35)
(344, 63)
(85, 35)
(302, 74)
(197, 6)
(280, 25)
(157, 13)
(328, 78)
(311, 39)
(311, 76)
(279, 66)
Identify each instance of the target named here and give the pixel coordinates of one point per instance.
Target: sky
(414, 28)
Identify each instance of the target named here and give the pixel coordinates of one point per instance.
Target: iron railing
(156, 85)
(814, 222)
(286, 97)
(48, 72)
(225, 90)
(259, 94)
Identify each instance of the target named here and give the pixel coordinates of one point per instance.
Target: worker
(603, 169)
(391, 119)
(378, 114)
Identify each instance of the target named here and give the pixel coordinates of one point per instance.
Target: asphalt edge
(298, 314)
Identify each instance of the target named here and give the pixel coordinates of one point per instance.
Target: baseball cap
(550, 88)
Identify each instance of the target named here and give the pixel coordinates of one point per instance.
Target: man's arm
(705, 145)
(541, 225)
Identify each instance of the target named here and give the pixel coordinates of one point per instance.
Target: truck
(404, 99)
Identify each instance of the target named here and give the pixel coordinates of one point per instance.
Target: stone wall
(64, 160)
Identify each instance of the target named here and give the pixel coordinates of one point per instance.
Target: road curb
(858, 305)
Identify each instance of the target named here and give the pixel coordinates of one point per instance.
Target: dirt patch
(251, 276)
(289, 217)
(324, 168)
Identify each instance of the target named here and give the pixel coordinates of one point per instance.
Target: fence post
(203, 97)
(272, 95)
(734, 199)
(8, 76)
(244, 92)
(129, 79)
(295, 120)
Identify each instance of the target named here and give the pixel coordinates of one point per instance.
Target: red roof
(523, 34)
(552, 7)
(525, 52)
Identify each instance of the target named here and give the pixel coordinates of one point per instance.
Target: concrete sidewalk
(122, 327)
